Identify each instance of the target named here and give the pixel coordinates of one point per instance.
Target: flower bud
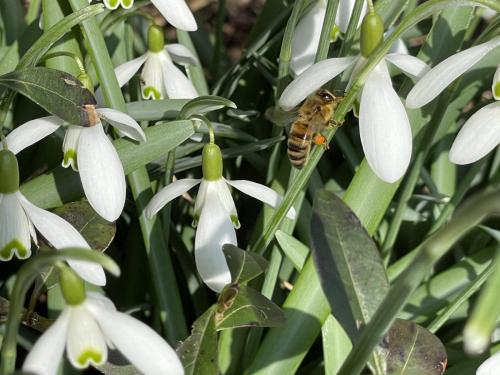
(212, 162)
(9, 172)
(156, 40)
(72, 286)
(372, 33)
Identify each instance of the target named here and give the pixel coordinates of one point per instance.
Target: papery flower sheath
(481, 132)
(383, 123)
(160, 78)
(19, 218)
(86, 329)
(214, 213)
(90, 152)
(176, 12)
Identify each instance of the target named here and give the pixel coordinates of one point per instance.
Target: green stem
(436, 246)
(162, 271)
(328, 23)
(24, 278)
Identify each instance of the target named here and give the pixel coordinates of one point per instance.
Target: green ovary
(150, 91)
(12, 246)
(90, 356)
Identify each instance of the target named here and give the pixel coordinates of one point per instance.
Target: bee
(312, 118)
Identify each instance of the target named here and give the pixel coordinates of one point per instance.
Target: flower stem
(371, 8)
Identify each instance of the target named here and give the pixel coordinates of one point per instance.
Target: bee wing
(280, 117)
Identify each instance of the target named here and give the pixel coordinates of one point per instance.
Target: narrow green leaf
(97, 232)
(204, 104)
(413, 350)
(57, 92)
(244, 266)
(241, 306)
(199, 352)
(347, 260)
(295, 250)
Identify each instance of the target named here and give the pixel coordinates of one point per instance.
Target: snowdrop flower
(19, 218)
(160, 77)
(491, 366)
(383, 123)
(308, 31)
(86, 326)
(89, 151)
(215, 209)
(176, 12)
(481, 132)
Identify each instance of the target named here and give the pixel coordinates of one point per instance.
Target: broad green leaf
(155, 110)
(9, 58)
(244, 265)
(198, 353)
(413, 350)
(295, 250)
(347, 260)
(98, 232)
(63, 185)
(57, 92)
(204, 104)
(242, 306)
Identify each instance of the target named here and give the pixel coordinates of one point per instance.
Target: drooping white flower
(491, 366)
(308, 31)
(176, 12)
(86, 329)
(19, 218)
(216, 212)
(89, 150)
(383, 123)
(481, 132)
(160, 78)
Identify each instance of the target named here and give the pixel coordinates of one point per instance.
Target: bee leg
(321, 140)
(335, 123)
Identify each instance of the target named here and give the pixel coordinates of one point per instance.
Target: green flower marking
(14, 246)
(151, 92)
(90, 355)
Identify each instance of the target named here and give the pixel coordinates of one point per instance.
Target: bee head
(326, 96)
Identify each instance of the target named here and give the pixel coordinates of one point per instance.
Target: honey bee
(314, 116)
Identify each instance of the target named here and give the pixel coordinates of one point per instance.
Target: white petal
(142, 346)
(262, 193)
(177, 85)
(439, 77)
(384, 127)
(344, 13)
(479, 135)
(101, 172)
(31, 132)
(169, 192)
(126, 71)
(177, 13)
(312, 79)
(62, 234)
(45, 356)
(200, 200)
(399, 47)
(410, 65)
(85, 341)
(306, 38)
(181, 54)
(491, 366)
(214, 230)
(227, 200)
(70, 145)
(14, 229)
(126, 124)
(495, 88)
(152, 77)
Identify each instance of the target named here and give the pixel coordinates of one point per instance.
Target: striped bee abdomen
(299, 143)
